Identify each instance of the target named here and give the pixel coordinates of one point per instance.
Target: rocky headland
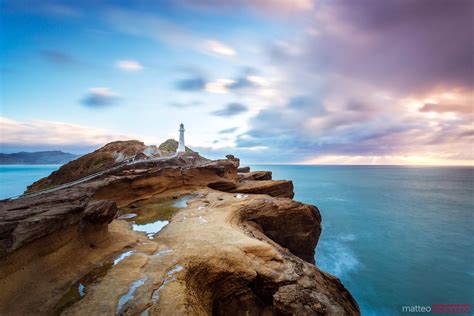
(180, 235)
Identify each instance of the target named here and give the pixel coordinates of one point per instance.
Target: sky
(301, 81)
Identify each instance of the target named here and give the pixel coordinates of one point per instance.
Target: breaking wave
(336, 256)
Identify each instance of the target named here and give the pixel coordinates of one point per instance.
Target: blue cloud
(58, 57)
(231, 109)
(228, 130)
(99, 98)
(196, 83)
(185, 104)
(241, 83)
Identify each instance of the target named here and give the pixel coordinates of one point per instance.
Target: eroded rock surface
(243, 169)
(256, 175)
(275, 188)
(222, 253)
(110, 155)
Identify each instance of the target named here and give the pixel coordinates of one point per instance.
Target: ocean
(395, 236)
(15, 178)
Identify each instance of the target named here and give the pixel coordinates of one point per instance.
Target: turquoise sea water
(15, 178)
(395, 236)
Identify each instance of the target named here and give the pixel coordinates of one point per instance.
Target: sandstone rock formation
(256, 175)
(243, 169)
(99, 160)
(276, 188)
(110, 155)
(240, 245)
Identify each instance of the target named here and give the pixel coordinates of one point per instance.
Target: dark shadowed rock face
(100, 212)
(25, 220)
(272, 215)
(243, 169)
(28, 219)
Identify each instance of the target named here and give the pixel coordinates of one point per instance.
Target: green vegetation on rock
(171, 146)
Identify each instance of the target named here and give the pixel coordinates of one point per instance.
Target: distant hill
(55, 157)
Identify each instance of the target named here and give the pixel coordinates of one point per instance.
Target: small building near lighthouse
(181, 145)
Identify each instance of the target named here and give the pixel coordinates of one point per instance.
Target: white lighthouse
(181, 146)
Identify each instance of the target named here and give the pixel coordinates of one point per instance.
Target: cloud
(241, 83)
(442, 108)
(129, 65)
(231, 109)
(58, 57)
(100, 97)
(150, 26)
(245, 82)
(371, 79)
(194, 83)
(219, 48)
(249, 79)
(61, 9)
(387, 160)
(45, 8)
(343, 125)
(185, 104)
(264, 7)
(218, 86)
(48, 135)
(228, 130)
(430, 41)
(165, 30)
(458, 102)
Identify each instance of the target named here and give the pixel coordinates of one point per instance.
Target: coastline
(221, 235)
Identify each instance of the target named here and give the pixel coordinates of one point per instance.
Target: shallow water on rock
(130, 294)
(151, 216)
(148, 216)
(79, 289)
